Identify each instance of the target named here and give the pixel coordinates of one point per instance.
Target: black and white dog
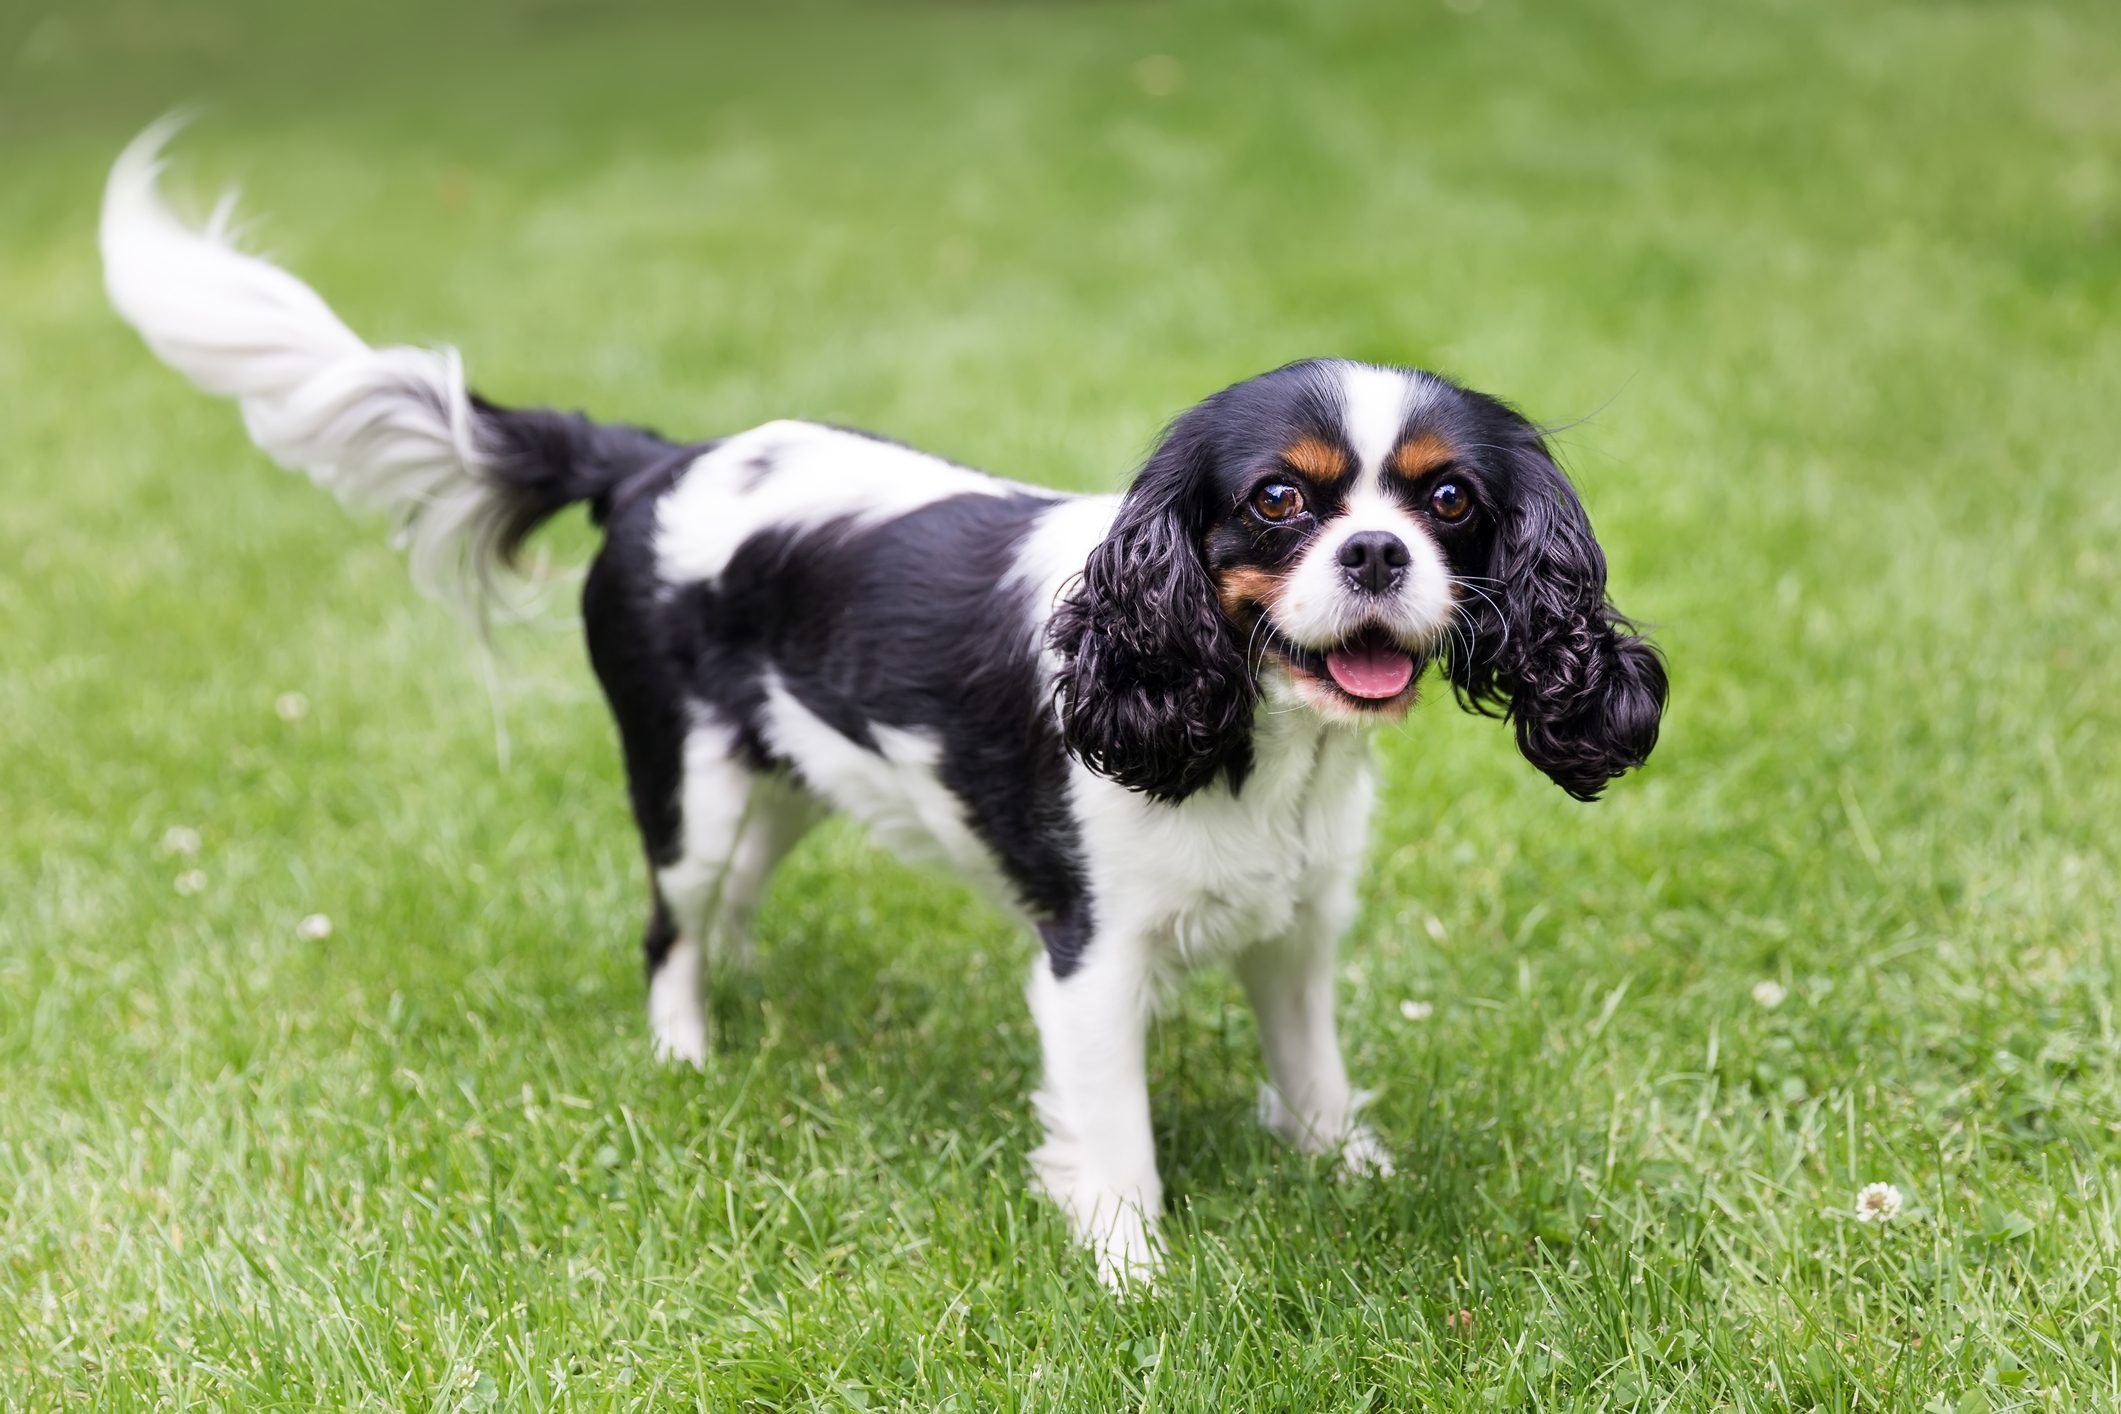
(1141, 720)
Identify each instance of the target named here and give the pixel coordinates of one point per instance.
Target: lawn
(1829, 297)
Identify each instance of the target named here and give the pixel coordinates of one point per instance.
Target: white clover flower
(1877, 1203)
(1769, 993)
(1417, 1011)
(191, 881)
(313, 929)
(291, 706)
(180, 839)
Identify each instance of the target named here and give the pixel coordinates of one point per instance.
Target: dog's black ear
(1541, 644)
(1154, 690)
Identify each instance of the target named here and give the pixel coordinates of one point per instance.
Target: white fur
(1375, 404)
(735, 827)
(1053, 554)
(389, 429)
(1200, 880)
(1307, 1099)
(793, 476)
(716, 794)
(1051, 559)
(893, 792)
(676, 1017)
(1098, 1163)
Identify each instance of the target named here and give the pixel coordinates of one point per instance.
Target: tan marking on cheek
(1246, 586)
(1418, 456)
(1320, 460)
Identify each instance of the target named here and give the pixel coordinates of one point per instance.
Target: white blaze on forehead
(1374, 406)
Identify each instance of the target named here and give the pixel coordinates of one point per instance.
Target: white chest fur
(1223, 870)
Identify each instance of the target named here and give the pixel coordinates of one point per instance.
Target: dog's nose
(1374, 560)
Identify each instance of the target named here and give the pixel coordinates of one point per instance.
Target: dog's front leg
(1307, 1100)
(1099, 1159)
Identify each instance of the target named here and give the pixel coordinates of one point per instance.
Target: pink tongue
(1370, 669)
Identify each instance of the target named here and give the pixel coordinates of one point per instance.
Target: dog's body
(1141, 721)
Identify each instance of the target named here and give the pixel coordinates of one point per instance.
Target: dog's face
(1343, 524)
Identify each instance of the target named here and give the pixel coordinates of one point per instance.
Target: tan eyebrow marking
(1418, 456)
(1317, 458)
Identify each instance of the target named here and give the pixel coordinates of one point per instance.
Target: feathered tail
(394, 429)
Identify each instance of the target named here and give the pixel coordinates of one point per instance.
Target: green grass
(1836, 290)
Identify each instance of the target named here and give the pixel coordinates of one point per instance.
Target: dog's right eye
(1277, 501)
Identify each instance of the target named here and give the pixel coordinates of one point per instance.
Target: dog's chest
(1226, 869)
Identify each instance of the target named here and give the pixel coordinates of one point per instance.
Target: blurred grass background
(1829, 295)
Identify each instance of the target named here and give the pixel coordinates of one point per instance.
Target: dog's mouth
(1371, 669)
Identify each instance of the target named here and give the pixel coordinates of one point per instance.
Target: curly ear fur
(1154, 690)
(1552, 654)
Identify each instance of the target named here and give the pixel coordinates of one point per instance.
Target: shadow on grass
(936, 1029)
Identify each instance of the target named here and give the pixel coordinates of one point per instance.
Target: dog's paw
(681, 1041)
(1363, 1155)
(1356, 1147)
(1116, 1225)
(677, 1016)
(1128, 1250)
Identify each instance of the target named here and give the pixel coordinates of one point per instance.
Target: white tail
(389, 429)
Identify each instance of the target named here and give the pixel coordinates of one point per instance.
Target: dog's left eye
(1278, 501)
(1450, 501)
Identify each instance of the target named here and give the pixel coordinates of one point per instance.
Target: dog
(1141, 721)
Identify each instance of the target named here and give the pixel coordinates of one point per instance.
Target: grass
(1834, 290)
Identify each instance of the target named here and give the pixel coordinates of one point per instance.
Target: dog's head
(1341, 524)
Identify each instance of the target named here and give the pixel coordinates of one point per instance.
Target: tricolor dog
(1141, 720)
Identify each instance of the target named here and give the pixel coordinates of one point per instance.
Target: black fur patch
(660, 936)
(542, 461)
(905, 624)
(634, 647)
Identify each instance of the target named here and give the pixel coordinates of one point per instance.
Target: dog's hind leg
(713, 823)
(735, 823)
